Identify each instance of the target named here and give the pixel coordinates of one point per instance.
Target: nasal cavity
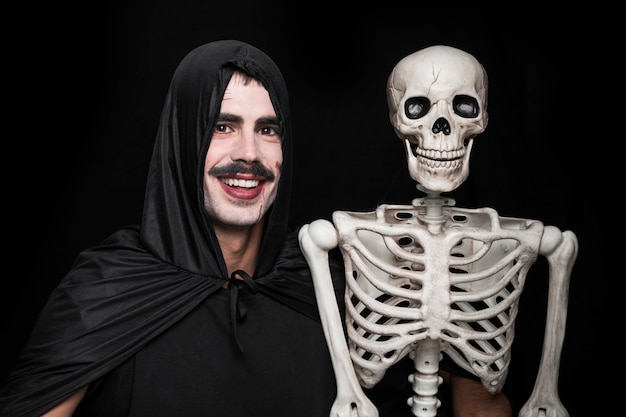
(441, 125)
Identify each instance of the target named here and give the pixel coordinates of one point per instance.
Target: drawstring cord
(237, 310)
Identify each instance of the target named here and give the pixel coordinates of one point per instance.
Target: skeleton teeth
(438, 155)
(236, 182)
(436, 163)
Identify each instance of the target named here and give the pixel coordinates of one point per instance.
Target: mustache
(256, 169)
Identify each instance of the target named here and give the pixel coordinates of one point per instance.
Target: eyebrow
(229, 117)
(268, 120)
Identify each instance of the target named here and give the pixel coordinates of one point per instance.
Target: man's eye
(269, 130)
(223, 128)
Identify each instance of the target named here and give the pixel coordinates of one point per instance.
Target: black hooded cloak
(143, 317)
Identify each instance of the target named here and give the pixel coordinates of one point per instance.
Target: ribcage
(460, 285)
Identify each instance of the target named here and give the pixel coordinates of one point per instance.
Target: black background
(85, 86)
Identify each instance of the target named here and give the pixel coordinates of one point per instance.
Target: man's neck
(240, 246)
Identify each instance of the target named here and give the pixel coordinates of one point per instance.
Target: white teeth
(440, 155)
(434, 163)
(235, 182)
(440, 159)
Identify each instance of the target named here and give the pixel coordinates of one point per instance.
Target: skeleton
(426, 278)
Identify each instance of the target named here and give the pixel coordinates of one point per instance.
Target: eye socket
(416, 107)
(466, 106)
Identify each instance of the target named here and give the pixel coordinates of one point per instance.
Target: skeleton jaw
(435, 159)
(438, 170)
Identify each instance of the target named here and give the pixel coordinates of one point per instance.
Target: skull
(437, 100)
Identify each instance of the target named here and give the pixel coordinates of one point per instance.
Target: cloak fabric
(142, 280)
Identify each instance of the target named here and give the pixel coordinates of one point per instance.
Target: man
(207, 307)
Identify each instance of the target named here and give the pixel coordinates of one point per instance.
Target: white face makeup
(243, 163)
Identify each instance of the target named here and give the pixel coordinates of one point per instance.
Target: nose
(246, 148)
(441, 125)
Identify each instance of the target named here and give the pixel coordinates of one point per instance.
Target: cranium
(437, 100)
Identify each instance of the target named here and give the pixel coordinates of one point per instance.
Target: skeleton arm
(316, 240)
(560, 249)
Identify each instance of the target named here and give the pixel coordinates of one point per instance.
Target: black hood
(175, 225)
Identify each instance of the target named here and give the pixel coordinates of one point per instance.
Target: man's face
(243, 164)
